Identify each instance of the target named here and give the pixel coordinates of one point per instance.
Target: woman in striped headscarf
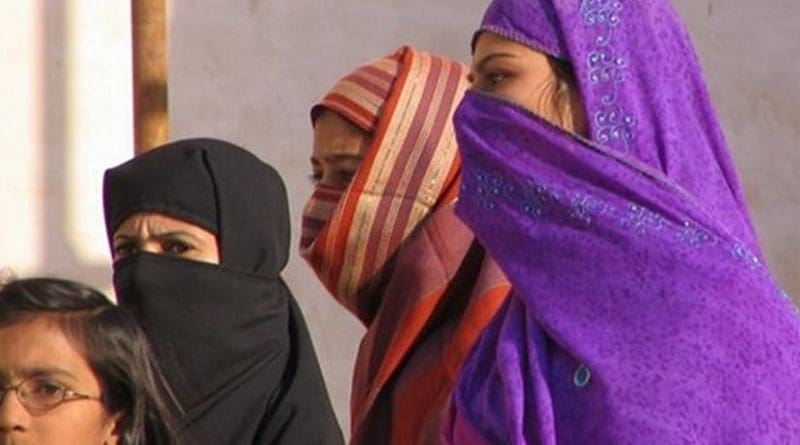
(381, 234)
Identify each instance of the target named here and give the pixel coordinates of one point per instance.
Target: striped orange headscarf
(390, 249)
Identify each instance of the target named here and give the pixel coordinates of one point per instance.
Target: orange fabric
(393, 252)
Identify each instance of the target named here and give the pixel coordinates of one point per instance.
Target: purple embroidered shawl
(642, 312)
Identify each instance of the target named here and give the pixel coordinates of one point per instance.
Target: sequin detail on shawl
(536, 200)
(614, 126)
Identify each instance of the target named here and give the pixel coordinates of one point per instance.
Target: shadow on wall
(59, 255)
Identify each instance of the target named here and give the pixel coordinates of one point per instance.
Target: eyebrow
(158, 235)
(122, 236)
(482, 63)
(338, 157)
(47, 371)
(176, 233)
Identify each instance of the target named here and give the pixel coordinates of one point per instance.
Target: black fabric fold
(230, 338)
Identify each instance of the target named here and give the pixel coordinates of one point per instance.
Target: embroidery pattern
(542, 201)
(607, 72)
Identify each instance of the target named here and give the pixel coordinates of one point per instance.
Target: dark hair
(115, 347)
(565, 91)
(565, 73)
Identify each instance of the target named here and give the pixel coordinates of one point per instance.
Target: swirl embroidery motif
(486, 191)
(538, 201)
(607, 72)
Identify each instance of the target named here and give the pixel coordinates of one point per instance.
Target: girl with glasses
(74, 369)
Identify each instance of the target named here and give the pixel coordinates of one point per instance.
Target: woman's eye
(175, 247)
(496, 78)
(339, 177)
(492, 79)
(44, 388)
(347, 177)
(124, 250)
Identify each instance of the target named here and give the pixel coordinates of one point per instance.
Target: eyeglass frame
(67, 395)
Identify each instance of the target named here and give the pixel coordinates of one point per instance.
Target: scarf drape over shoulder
(390, 249)
(642, 310)
(230, 338)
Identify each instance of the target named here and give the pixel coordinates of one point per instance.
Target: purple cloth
(642, 311)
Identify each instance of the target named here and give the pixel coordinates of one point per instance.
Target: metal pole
(150, 105)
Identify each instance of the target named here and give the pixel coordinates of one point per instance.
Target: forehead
(334, 133)
(489, 43)
(40, 343)
(155, 222)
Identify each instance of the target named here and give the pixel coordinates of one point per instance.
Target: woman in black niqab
(229, 337)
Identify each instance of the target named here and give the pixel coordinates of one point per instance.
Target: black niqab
(230, 338)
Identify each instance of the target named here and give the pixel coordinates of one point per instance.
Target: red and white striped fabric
(389, 247)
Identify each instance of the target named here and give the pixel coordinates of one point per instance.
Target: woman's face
(164, 235)
(339, 147)
(515, 72)
(39, 349)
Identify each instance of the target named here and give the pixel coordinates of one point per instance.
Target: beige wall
(65, 116)
(247, 70)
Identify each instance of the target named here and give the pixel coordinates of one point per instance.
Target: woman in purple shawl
(596, 174)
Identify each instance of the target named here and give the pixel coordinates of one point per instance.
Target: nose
(151, 246)
(13, 416)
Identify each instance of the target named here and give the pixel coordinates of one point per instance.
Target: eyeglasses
(40, 394)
